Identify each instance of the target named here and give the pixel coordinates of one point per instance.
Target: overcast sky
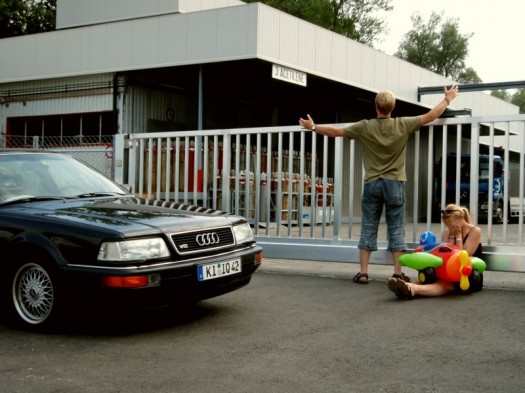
(496, 50)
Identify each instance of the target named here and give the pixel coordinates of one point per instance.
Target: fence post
(118, 158)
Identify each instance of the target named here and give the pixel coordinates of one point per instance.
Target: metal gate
(301, 191)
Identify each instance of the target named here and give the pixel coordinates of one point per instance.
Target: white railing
(301, 191)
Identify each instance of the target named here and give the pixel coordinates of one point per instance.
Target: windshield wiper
(30, 198)
(97, 194)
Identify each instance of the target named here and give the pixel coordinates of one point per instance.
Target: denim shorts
(391, 195)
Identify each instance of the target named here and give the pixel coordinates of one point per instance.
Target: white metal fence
(301, 192)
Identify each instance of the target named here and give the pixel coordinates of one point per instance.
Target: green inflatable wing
(420, 260)
(478, 264)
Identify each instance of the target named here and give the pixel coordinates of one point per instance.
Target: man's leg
(364, 258)
(371, 207)
(397, 266)
(395, 218)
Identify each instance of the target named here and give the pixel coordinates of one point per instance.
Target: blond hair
(455, 211)
(385, 102)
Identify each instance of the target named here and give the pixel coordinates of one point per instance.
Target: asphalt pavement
(491, 279)
(298, 327)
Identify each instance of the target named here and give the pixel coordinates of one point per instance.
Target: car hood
(126, 215)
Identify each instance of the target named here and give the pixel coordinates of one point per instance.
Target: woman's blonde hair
(455, 211)
(385, 101)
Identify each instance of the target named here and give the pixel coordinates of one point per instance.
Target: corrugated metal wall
(146, 109)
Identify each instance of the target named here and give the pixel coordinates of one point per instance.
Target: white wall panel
(202, 29)
(323, 51)
(145, 42)
(200, 5)
(381, 69)
(24, 59)
(230, 44)
(70, 44)
(390, 68)
(339, 57)
(368, 65)
(268, 32)
(93, 48)
(46, 51)
(408, 79)
(173, 40)
(7, 63)
(354, 63)
(118, 45)
(307, 50)
(289, 27)
(81, 12)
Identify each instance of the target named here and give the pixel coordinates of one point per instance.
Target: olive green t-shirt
(384, 143)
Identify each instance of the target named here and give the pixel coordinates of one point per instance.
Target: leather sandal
(400, 288)
(401, 277)
(404, 290)
(358, 278)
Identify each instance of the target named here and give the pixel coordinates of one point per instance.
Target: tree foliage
(438, 46)
(518, 98)
(19, 17)
(501, 94)
(355, 19)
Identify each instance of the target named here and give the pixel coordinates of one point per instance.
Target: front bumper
(178, 283)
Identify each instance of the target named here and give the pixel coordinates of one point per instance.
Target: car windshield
(37, 176)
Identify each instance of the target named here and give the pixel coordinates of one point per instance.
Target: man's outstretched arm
(438, 110)
(309, 124)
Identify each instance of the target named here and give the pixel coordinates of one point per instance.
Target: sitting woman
(458, 231)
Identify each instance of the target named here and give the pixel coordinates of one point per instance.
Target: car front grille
(203, 241)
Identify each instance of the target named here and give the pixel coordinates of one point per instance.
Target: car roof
(28, 151)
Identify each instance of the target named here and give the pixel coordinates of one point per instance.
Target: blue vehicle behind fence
(498, 200)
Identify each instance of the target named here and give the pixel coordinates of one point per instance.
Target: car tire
(34, 303)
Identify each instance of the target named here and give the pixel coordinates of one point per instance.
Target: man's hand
(307, 123)
(451, 93)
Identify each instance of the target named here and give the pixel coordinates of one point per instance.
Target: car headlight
(243, 233)
(133, 250)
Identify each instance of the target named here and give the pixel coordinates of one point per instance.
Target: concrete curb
(492, 279)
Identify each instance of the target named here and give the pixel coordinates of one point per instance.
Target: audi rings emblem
(207, 239)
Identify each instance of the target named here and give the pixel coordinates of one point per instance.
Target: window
(80, 128)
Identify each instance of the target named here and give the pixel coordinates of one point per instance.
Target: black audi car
(71, 237)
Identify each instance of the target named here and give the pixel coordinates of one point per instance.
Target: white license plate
(216, 270)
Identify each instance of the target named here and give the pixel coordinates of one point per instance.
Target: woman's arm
(473, 241)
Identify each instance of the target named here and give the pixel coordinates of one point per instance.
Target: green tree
(19, 17)
(355, 19)
(438, 46)
(501, 94)
(518, 98)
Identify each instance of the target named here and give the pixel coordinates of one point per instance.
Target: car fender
(28, 242)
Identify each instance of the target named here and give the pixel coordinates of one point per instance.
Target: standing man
(383, 142)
